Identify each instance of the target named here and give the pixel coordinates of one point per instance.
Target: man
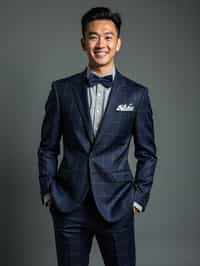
(97, 112)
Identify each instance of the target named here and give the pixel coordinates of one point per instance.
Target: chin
(100, 62)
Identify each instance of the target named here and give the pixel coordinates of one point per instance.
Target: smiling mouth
(100, 54)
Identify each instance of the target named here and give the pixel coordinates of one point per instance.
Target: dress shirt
(97, 99)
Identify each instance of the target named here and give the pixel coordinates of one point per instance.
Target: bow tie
(106, 81)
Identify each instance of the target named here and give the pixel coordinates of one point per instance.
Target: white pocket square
(125, 107)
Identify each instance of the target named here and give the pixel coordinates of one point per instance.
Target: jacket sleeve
(145, 149)
(49, 146)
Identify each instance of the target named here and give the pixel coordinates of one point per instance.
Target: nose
(100, 42)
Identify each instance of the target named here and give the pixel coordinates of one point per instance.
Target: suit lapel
(80, 93)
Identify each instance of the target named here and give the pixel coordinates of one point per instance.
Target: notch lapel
(80, 95)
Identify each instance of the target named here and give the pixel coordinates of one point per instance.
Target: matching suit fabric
(74, 233)
(101, 161)
(93, 188)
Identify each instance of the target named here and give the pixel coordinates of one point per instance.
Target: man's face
(101, 42)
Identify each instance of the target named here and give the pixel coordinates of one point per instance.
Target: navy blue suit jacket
(102, 161)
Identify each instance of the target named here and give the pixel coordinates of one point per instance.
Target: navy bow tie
(106, 81)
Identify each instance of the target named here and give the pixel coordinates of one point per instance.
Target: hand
(135, 210)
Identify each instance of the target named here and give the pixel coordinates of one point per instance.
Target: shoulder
(63, 85)
(66, 80)
(134, 85)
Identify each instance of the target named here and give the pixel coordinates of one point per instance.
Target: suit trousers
(74, 233)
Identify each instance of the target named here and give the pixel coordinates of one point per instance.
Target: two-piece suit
(98, 162)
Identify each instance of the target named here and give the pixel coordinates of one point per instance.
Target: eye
(109, 38)
(92, 37)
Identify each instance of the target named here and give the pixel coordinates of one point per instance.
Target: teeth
(102, 54)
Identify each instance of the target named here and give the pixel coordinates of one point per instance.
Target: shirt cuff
(138, 206)
(46, 198)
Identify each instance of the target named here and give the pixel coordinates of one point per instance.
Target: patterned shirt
(98, 98)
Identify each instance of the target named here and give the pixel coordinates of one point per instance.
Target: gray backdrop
(40, 42)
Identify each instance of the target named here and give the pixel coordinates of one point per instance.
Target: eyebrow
(106, 33)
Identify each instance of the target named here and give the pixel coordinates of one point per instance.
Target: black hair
(100, 13)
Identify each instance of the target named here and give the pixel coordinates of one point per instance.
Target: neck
(101, 70)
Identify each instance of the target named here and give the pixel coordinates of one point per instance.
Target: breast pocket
(123, 121)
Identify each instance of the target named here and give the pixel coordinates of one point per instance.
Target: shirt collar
(112, 72)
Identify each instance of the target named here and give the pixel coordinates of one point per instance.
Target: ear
(119, 43)
(83, 43)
